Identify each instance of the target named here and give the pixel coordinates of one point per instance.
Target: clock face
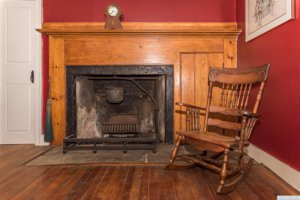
(112, 11)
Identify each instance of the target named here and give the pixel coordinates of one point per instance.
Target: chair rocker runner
(227, 125)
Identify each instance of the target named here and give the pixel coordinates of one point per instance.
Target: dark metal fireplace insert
(119, 107)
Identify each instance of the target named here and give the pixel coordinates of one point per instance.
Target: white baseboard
(287, 173)
(43, 144)
(40, 141)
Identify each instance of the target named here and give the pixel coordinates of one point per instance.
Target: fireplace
(119, 107)
(190, 47)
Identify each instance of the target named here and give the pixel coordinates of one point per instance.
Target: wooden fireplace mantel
(190, 47)
(60, 28)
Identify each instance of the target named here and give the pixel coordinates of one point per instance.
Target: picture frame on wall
(264, 15)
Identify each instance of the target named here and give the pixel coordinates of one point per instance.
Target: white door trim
(39, 137)
(1, 61)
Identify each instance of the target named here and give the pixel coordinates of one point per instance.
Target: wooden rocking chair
(232, 116)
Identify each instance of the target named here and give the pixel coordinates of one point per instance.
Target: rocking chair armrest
(189, 105)
(249, 114)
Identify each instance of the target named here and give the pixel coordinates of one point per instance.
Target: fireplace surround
(142, 118)
(190, 47)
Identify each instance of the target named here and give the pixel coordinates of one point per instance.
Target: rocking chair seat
(211, 137)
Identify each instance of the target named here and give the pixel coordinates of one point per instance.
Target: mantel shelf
(66, 28)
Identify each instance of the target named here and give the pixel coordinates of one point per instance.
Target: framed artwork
(264, 15)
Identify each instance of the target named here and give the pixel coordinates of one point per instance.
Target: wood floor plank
(85, 173)
(266, 176)
(128, 184)
(205, 189)
(121, 182)
(116, 182)
(212, 180)
(183, 191)
(191, 177)
(120, 185)
(17, 184)
(6, 150)
(246, 192)
(168, 185)
(43, 183)
(154, 184)
(55, 186)
(68, 187)
(145, 184)
(136, 183)
(96, 180)
(38, 184)
(16, 157)
(99, 194)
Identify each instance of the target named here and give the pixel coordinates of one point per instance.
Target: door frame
(38, 95)
(39, 137)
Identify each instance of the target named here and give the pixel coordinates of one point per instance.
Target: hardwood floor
(18, 181)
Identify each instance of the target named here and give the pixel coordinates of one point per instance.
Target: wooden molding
(141, 27)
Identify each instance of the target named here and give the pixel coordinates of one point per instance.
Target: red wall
(134, 11)
(142, 10)
(279, 130)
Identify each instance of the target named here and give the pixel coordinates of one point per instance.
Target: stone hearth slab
(55, 156)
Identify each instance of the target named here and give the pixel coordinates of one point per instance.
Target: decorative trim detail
(262, 72)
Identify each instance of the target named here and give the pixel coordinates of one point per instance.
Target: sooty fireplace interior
(119, 107)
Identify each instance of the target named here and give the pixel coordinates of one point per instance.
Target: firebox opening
(120, 102)
(120, 106)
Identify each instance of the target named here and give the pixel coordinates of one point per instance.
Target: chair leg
(241, 160)
(174, 153)
(171, 164)
(223, 171)
(229, 185)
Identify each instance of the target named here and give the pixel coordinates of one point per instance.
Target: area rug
(54, 156)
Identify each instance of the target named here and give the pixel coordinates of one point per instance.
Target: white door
(17, 67)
